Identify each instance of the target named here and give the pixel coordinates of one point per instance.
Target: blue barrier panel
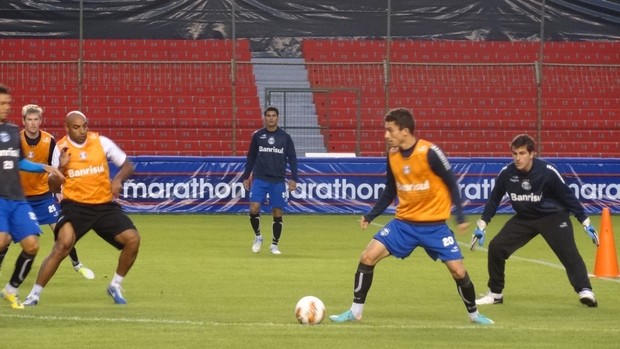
(339, 186)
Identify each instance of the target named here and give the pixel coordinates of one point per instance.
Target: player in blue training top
(18, 222)
(542, 202)
(270, 151)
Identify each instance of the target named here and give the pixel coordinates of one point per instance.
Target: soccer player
(542, 202)
(88, 202)
(17, 221)
(420, 176)
(38, 146)
(270, 150)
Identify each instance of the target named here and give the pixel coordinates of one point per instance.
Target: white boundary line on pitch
(536, 261)
(296, 325)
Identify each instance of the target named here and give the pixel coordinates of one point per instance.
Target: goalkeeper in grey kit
(542, 202)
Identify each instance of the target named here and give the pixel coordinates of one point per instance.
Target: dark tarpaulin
(261, 20)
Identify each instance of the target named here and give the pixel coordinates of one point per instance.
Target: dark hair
(4, 90)
(402, 117)
(271, 109)
(523, 140)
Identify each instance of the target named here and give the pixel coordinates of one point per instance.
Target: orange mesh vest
(422, 195)
(35, 183)
(87, 173)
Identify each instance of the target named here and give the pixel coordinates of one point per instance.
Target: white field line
(335, 327)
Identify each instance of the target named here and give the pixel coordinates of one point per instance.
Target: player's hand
(364, 223)
(63, 160)
(462, 228)
(117, 186)
(479, 234)
(589, 229)
(53, 171)
(292, 185)
(246, 184)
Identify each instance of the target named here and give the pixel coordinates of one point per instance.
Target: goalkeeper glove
(478, 234)
(589, 229)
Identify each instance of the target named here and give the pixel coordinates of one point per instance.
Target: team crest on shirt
(406, 169)
(4, 137)
(30, 155)
(82, 155)
(271, 141)
(526, 185)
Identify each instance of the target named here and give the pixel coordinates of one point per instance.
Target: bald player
(38, 146)
(88, 202)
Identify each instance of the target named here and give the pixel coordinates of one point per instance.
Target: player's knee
(31, 248)
(498, 252)
(368, 259)
(459, 274)
(129, 239)
(457, 269)
(62, 247)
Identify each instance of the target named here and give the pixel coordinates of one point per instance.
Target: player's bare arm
(124, 172)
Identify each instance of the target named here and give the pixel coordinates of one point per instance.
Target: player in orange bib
(38, 146)
(88, 202)
(421, 177)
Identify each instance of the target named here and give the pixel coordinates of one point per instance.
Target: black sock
(277, 230)
(22, 268)
(363, 281)
(255, 222)
(467, 293)
(3, 254)
(74, 257)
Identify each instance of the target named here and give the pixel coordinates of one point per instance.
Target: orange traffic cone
(606, 264)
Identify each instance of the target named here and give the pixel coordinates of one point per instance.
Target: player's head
(402, 118)
(5, 102)
(32, 116)
(399, 127)
(77, 126)
(271, 115)
(523, 152)
(523, 140)
(271, 110)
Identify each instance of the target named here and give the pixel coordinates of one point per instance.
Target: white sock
(473, 315)
(357, 309)
(116, 280)
(10, 289)
(36, 290)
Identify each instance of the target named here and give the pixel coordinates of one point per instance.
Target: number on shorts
(448, 240)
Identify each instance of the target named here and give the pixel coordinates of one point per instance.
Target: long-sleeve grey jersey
(537, 193)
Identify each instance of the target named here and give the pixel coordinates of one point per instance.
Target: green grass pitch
(196, 284)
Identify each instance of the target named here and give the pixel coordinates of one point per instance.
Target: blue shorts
(278, 195)
(46, 209)
(18, 219)
(401, 238)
